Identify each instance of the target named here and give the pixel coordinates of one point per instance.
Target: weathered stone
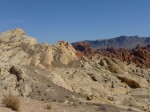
(17, 72)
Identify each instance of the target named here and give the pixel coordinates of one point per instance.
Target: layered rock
(83, 48)
(139, 55)
(105, 80)
(64, 52)
(27, 69)
(17, 48)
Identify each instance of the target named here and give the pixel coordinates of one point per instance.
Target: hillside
(39, 74)
(126, 42)
(139, 55)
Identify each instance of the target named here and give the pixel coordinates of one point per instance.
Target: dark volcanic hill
(126, 42)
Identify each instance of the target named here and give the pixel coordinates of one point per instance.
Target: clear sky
(75, 20)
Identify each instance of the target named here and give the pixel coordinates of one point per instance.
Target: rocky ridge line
(139, 55)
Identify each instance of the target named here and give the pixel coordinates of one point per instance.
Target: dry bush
(48, 106)
(12, 102)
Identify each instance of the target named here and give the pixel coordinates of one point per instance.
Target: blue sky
(75, 20)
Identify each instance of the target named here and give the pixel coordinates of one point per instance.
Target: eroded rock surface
(139, 55)
(58, 74)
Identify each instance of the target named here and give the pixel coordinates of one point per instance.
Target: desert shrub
(48, 106)
(12, 102)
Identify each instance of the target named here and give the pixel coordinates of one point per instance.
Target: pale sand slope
(29, 105)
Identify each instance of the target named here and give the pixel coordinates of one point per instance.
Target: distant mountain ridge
(127, 42)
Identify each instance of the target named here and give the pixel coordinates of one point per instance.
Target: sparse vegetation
(48, 106)
(12, 102)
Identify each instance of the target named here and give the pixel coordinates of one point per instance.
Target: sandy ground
(29, 105)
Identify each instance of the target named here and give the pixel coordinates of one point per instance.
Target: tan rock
(64, 52)
(120, 91)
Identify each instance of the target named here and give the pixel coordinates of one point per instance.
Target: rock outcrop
(83, 48)
(64, 52)
(139, 55)
(58, 74)
(17, 48)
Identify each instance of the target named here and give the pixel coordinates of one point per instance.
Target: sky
(75, 20)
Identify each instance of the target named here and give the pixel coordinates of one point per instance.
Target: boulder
(17, 72)
(64, 52)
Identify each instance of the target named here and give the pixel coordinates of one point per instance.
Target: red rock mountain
(83, 48)
(139, 55)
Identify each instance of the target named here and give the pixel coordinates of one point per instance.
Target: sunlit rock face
(64, 52)
(57, 73)
(18, 48)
